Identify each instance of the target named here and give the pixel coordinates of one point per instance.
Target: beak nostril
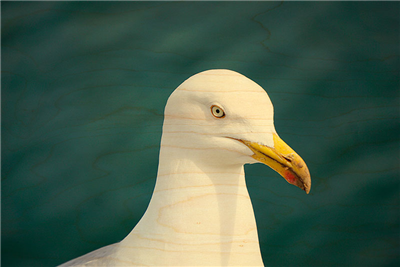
(288, 159)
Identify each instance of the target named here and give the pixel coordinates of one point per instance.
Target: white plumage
(200, 213)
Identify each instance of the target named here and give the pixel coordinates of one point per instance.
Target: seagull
(200, 213)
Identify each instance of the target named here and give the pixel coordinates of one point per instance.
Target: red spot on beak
(289, 176)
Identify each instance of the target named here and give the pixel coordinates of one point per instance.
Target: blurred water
(83, 91)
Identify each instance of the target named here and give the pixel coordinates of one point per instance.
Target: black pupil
(217, 110)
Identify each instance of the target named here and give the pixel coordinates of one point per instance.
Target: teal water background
(84, 85)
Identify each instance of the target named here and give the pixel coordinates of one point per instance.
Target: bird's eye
(217, 112)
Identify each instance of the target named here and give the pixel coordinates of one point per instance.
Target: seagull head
(222, 118)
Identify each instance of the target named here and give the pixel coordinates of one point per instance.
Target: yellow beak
(283, 160)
